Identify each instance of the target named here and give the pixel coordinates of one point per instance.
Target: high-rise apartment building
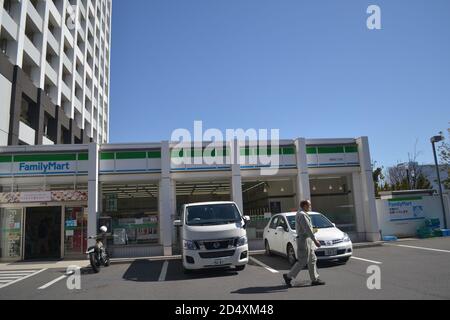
(54, 71)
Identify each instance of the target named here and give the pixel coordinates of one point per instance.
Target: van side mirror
(247, 218)
(177, 223)
(334, 225)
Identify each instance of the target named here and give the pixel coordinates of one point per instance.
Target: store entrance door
(43, 233)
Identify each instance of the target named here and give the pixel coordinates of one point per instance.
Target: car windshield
(319, 221)
(212, 214)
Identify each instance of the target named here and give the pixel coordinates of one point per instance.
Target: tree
(444, 155)
(378, 179)
(408, 175)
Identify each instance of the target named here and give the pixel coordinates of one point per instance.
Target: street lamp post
(435, 140)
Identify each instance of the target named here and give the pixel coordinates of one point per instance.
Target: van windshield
(212, 214)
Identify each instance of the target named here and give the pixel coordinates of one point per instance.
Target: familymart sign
(44, 164)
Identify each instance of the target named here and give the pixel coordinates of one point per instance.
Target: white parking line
(18, 272)
(45, 286)
(30, 273)
(263, 265)
(163, 274)
(366, 260)
(420, 248)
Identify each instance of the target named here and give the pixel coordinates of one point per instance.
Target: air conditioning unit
(4, 45)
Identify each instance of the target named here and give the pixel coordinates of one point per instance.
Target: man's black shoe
(318, 282)
(287, 280)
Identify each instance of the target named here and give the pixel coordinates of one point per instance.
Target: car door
(270, 232)
(283, 235)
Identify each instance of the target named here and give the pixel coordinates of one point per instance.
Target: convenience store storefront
(53, 197)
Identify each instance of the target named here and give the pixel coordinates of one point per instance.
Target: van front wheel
(187, 271)
(240, 268)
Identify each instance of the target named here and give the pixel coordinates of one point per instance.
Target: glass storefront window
(333, 197)
(75, 230)
(131, 213)
(262, 199)
(10, 233)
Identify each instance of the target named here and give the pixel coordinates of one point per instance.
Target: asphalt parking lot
(417, 269)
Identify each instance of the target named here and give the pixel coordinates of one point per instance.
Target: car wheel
(240, 268)
(267, 248)
(187, 271)
(291, 254)
(344, 260)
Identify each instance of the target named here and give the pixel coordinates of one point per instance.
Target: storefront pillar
(236, 179)
(166, 209)
(303, 188)
(359, 206)
(93, 197)
(368, 191)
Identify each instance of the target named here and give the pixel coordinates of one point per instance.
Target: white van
(213, 235)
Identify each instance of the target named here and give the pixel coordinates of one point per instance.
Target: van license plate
(218, 262)
(330, 252)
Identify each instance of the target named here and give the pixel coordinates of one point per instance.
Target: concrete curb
(364, 245)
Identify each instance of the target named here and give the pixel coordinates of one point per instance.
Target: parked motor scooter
(98, 254)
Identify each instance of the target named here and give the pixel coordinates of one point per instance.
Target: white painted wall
(5, 106)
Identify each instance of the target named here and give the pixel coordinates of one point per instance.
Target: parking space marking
(265, 266)
(366, 260)
(162, 276)
(420, 248)
(45, 286)
(8, 278)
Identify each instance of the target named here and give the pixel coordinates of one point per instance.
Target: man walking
(306, 245)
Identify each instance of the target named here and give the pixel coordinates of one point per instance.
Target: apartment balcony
(9, 24)
(88, 69)
(88, 92)
(90, 27)
(54, 11)
(82, 8)
(47, 142)
(66, 91)
(67, 62)
(34, 16)
(89, 48)
(77, 104)
(52, 41)
(79, 54)
(81, 32)
(67, 34)
(87, 115)
(51, 73)
(32, 51)
(79, 79)
(27, 134)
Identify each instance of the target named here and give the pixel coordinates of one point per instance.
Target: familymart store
(43, 204)
(53, 197)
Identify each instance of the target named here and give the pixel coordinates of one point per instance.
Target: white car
(280, 237)
(213, 235)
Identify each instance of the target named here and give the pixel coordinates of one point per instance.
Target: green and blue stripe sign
(141, 161)
(44, 164)
(332, 156)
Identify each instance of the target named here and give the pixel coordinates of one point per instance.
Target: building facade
(54, 71)
(53, 197)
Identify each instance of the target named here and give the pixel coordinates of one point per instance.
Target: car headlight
(346, 238)
(189, 245)
(242, 241)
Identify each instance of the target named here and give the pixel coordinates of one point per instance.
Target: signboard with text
(406, 209)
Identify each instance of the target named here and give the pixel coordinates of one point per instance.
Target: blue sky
(309, 68)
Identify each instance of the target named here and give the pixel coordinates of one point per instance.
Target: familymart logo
(44, 167)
